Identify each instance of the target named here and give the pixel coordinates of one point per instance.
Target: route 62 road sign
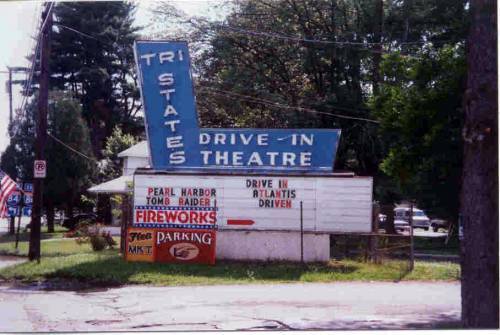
(40, 169)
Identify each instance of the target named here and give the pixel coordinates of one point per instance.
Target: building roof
(121, 184)
(138, 150)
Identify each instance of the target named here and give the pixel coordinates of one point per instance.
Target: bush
(86, 232)
(98, 242)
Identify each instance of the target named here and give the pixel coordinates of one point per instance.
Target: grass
(25, 236)
(52, 244)
(65, 260)
(49, 248)
(436, 245)
(108, 268)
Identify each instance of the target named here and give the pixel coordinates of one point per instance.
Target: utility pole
(10, 101)
(12, 219)
(41, 131)
(13, 69)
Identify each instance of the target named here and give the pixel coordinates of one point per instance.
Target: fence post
(412, 256)
(301, 234)
(124, 222)
(374, 238)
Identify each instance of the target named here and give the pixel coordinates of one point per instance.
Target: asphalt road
(353, 305)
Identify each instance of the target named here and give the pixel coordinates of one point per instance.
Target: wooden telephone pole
(12, 70)
(41, 131)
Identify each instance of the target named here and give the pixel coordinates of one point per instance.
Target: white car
(402, 216)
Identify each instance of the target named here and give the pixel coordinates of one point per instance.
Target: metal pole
(12, 225)
(124, 222)
(21, 204)
(41, 134)
(412, 256)
(301, 234)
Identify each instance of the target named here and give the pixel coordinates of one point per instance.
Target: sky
(18, 20)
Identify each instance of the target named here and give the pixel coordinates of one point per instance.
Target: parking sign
(40, 169)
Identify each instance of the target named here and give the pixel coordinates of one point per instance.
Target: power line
(71, 148)
(29, 77)
(282, 36)
(78, 32)
(254, 99)
(35, 54)
(279, 105)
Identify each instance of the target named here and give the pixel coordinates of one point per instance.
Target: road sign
(28, 199)
(14, 199)
(13, 211)
(40, 169)
(177, 143)
(27, 187)
(26, 211)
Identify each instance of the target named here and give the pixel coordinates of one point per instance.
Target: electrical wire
(254, 99)
(282, 36)
(78, 32)
(35, 54)
(279, 105)
(71, 148)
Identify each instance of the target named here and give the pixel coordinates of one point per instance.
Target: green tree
(17, 159)
(281, 54)
(420, 113)
(115, 143)
(92, 57)
(68, 173)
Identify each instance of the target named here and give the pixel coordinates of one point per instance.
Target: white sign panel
(39, 169)
(330, 204)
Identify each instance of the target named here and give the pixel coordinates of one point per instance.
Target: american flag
(7, 186)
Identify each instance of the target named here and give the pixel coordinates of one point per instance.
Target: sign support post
(12, 225)
(21, 205)
(301, 233)
(412, 255)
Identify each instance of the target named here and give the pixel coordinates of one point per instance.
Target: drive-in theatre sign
(176, 141)
(179, 205)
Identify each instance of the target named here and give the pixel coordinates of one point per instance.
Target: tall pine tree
(92, 57)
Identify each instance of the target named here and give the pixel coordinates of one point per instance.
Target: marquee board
(177, 143)
(176, 214)
(256, 202)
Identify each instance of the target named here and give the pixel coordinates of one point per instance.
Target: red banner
(185, 246)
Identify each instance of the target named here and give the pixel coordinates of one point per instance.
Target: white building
(137, 156)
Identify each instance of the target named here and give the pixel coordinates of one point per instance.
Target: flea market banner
(171, 245)
(177, 143)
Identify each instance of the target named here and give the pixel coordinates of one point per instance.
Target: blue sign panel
(168, 99)
(28, 200)
(177, 143)
(13, 211)
(269, 149)
(13, 199)
(28, 187)
(26, 211)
